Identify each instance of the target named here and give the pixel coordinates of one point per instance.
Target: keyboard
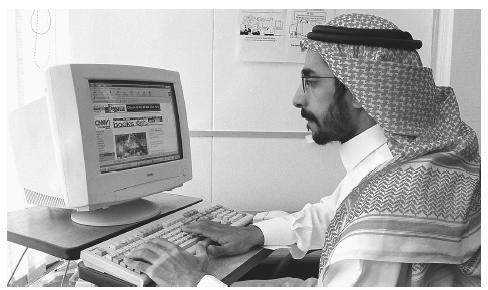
(108, 256)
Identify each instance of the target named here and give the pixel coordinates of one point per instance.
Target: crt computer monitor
(104, 137)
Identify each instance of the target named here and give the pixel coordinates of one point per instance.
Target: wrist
(196, 277)
(256, 235)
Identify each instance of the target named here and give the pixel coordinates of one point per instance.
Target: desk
(51, 231)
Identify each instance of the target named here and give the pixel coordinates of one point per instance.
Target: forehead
(314, 64)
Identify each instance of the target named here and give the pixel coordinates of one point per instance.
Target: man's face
(328, 113)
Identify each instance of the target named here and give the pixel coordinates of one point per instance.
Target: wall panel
(466, 66)
(263, 174)
(179, 40)
(201, 183)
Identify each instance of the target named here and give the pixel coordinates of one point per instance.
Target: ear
(355, 103)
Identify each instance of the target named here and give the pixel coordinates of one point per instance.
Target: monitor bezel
(77, 138)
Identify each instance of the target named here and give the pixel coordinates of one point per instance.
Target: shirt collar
(355, 150)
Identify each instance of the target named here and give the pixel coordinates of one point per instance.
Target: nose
(299, 98)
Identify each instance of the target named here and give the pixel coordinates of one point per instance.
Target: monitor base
(121, 214)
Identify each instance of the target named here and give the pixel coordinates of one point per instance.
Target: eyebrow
(307, 72)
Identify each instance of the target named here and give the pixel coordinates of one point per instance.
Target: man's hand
(232, 240)
(169, 265)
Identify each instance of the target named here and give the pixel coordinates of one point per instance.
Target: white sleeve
(362, 273)
(306, 228)
(210, 281)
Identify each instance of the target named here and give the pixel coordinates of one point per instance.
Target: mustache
(307, 115)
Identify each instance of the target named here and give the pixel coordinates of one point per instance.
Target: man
(407, 213)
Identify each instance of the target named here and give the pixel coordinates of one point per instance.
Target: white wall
(223, 93)
(178, 40)
(466, 66)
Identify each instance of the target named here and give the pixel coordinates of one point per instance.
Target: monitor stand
(121, 214)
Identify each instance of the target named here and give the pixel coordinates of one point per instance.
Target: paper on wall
(273, 35)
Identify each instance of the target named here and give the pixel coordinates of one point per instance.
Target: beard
(336, 125)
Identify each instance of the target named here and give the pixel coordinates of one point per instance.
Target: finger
(201, 255)
(137, 265)
(156, 245)
(143, 254)
(167, 247)
(216, 250)
(205, 228)
(147, 254)
(202, 224)
(201, 249)
(206, 242)
(195, 227)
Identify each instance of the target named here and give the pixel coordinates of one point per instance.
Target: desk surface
(50, 230)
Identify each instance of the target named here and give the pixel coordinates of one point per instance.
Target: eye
(311, 82)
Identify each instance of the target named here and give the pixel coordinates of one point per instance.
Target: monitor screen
(136, 123)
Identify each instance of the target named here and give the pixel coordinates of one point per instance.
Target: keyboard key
(185, 245)
(143, 234)
(117, 259)
(236, 218)
(178, 241)
(184, 238)
(99, 251)
(134, 269)
(131, 239)
(188, 214)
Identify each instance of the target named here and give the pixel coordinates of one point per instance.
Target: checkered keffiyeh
(424, 207)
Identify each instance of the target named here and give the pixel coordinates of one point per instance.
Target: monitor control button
(185, 172)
